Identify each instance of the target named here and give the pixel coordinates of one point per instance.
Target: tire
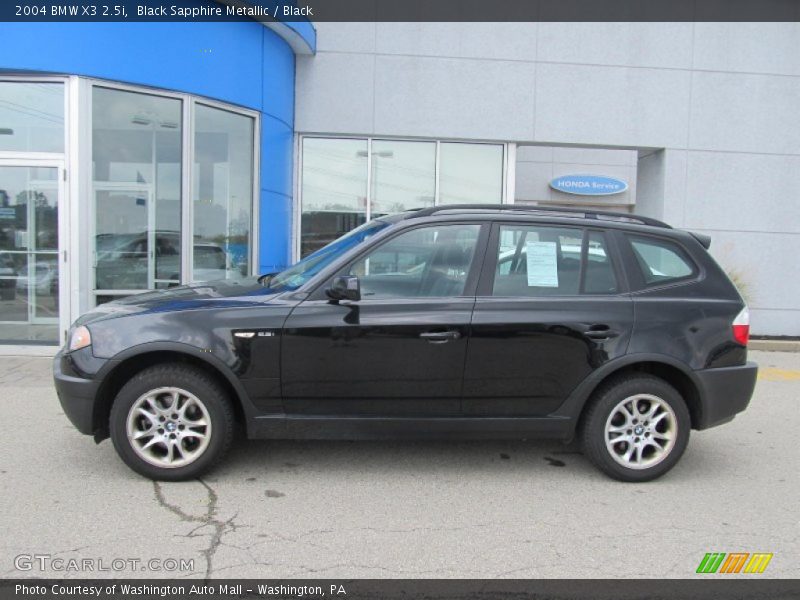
(187, 411)
(610, 417)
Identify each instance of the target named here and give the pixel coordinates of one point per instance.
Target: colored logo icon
(735, 562)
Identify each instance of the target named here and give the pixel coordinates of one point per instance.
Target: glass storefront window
(147, 199)
(470, 173)
(403, 176)
(31, 116)
(334, 188)
(223, 194)
(136, 166)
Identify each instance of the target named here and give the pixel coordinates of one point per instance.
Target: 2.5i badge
(251, 334)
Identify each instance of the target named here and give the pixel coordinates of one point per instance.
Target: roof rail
(578, 213)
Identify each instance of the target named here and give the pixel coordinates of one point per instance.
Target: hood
(213, 294)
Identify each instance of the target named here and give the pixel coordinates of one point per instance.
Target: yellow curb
(773, 374)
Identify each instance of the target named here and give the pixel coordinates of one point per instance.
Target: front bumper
(76, 394)
(724, 393)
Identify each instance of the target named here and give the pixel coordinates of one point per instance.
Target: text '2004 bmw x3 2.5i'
(473, 321)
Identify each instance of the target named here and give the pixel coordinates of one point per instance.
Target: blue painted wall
(243, 63)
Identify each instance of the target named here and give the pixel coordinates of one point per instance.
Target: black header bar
(401, 10)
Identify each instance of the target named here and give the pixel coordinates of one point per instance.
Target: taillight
(741, 327)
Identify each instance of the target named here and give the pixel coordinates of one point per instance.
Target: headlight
(80, 338)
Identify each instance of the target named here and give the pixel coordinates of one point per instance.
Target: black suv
(475, 321)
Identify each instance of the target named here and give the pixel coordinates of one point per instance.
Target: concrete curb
(43, 351)
(775, 345)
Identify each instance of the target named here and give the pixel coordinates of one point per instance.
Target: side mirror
(264, 279)
(345, 287)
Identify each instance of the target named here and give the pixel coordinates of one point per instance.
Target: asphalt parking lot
(374, 510)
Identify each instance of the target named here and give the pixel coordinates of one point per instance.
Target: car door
(400, 350)
(550, 309)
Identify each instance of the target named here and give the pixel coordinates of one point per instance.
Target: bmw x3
(489, 322)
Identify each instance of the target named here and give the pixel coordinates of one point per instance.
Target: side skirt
(336, 427)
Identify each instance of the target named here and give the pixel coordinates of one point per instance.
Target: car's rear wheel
(171, 422)
(636, 428)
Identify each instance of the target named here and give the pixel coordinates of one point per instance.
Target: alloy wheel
(168, 427)
(641, 431)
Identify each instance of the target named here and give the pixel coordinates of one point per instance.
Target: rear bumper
(724, 392)
(77, 395)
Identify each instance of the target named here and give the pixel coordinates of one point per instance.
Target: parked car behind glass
(123, 259)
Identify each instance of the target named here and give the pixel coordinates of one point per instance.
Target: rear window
(661, 261)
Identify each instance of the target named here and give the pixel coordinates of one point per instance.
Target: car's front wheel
(636, 428)
(171, 422)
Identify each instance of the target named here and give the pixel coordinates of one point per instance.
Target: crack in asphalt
(209, 519)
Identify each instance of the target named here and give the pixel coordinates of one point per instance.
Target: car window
(537, 261)
(425, 262)
(300, 273)
(660, 260)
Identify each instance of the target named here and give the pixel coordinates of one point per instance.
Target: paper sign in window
(542, 264)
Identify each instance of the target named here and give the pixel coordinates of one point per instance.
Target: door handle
(440, 337)
(600, 332)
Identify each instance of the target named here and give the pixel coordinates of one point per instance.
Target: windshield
(295, 276)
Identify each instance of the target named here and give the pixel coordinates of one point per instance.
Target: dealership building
(138, 156)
